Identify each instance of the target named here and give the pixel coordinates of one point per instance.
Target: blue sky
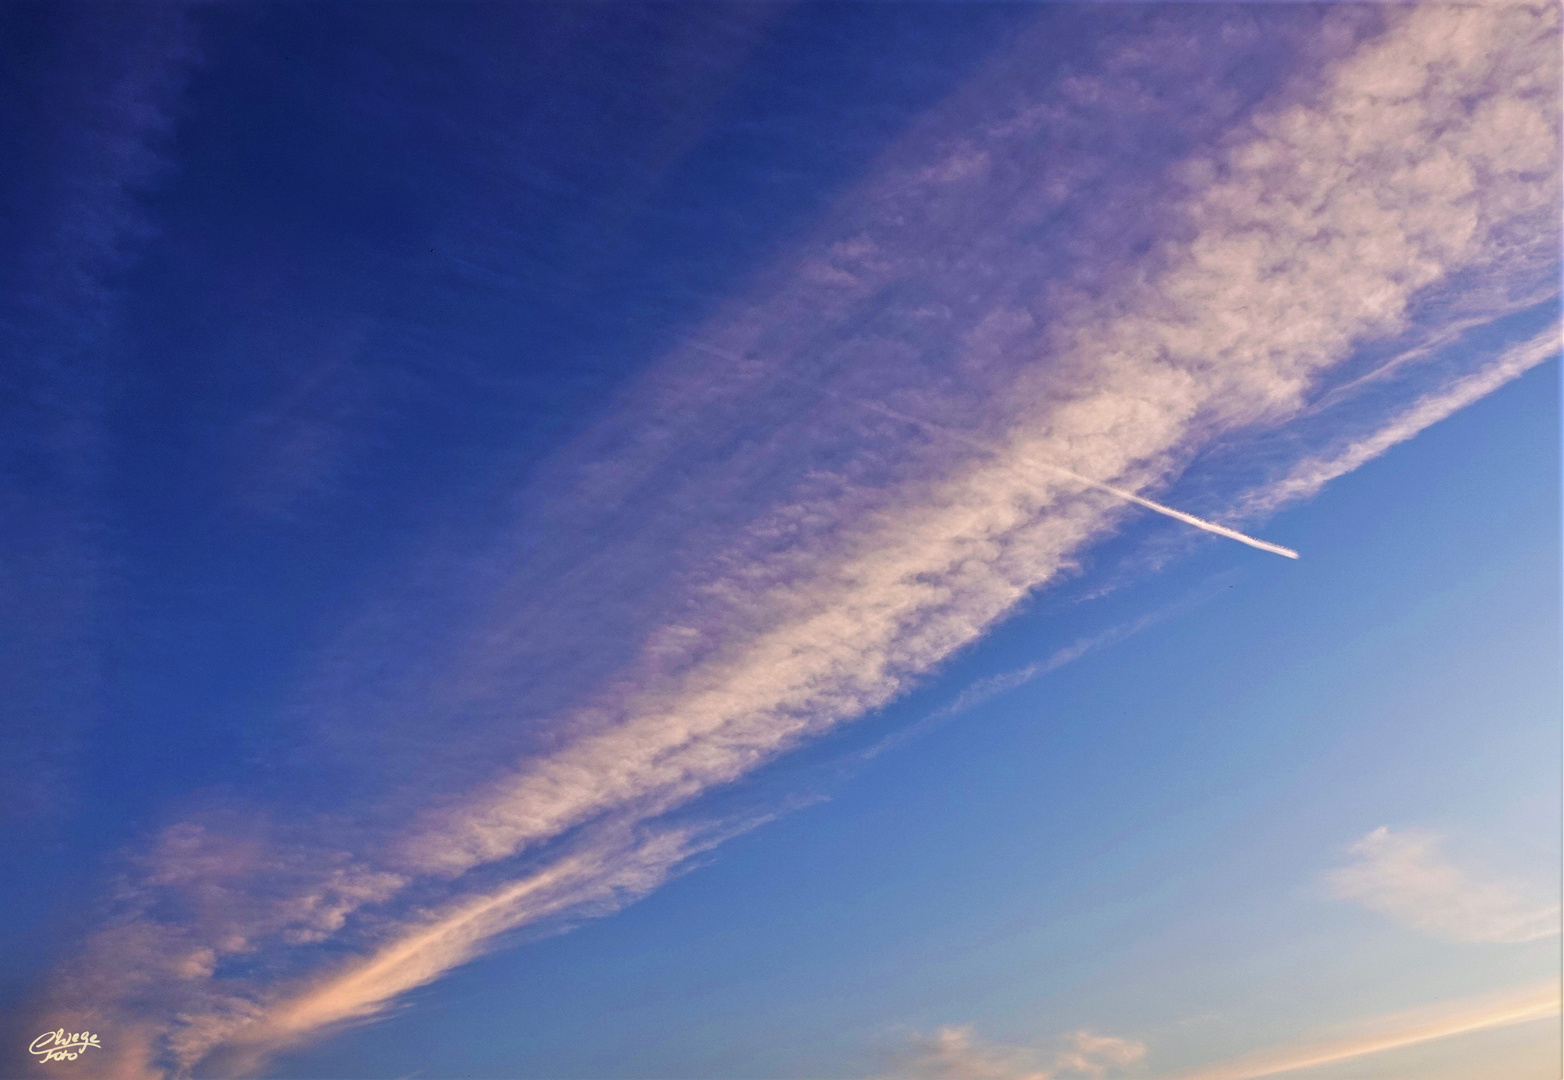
(600, 541)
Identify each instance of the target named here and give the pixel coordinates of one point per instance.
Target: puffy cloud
(956, 1053)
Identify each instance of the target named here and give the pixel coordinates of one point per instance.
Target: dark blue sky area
(397, 251)
(288, 284)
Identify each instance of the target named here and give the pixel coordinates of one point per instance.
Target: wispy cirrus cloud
(614, 867)
(114, 79)
(1309, 476)
(930, 571)
(776, 565)
(1381, 1034)
(955, 1052)
(1404, 875)
(984, 690)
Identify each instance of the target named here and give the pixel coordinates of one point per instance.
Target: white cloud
(604, 875)
(1308, 477)
(1403, 875)
(1325, 220)
(956, 1053)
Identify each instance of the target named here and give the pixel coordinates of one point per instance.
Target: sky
(748, 541)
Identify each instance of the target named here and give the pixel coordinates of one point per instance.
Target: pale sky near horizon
(704, 541)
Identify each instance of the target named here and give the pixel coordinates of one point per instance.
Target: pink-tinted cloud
(776, 566)
(1404, 875)
(955, 1052)
(1381, 1034)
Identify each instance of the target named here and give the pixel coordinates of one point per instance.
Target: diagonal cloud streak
(986, 689)
(1097, 485)
(928, 575)
(1307, 478)
(1383, 1034)
(1420, 150)
(612, 870)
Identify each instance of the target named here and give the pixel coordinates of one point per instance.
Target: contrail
(1179, 515)
(1127, 496)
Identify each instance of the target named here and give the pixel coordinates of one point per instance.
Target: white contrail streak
(1179, 515)
(1128, 496)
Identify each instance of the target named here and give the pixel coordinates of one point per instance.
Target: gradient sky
(593, 541)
